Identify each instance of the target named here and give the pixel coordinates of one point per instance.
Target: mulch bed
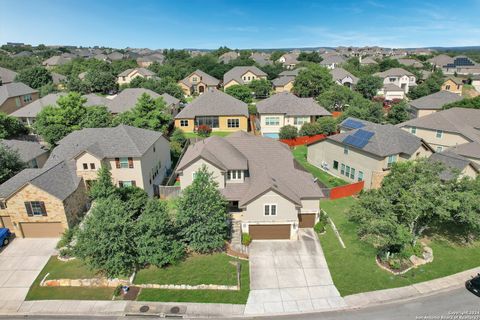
(131, 294)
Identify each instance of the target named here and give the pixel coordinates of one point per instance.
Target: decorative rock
(416, 261)
(428, 254)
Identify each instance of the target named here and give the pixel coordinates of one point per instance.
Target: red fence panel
(346, 191)
(303, 140)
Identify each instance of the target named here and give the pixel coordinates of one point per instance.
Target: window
(34, 163)
(391, 160)
(35, 208)
(85, 166)
(212, 122)
(345, 150)
(458, 87)
(92, 166)
(439, 134)
(272, 121)
(352, 174)
(447, 87)
(183, 123)
(233, 123)
(270, 210)
(301, 120)
(17, 102)
(27, 98)
(234, 175)
(123, 184)
(194, 79)
(123, 162)
(392, 79)
(439, 149)
(360, 175)
(347, 171)
(342, 170)
(413, 130)
(335, 164)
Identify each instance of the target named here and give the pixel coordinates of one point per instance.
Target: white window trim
(270, 209)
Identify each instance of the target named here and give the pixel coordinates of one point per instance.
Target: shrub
(288, 132)
(246, 239)
(310, 129)
(66, 252)
(320, 226)
(117, 291)
(67, 237)
(252, 109)
(328, 125)
(204, 130)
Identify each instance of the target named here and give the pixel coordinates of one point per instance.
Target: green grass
(210, 273)
(214, 133)
(300, 153)
(354, 269)
(66, 270)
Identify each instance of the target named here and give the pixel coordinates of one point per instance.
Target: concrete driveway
(20, 263)
(290, 276)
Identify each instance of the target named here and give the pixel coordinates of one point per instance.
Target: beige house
(332, 61)
(198, 82)
(32, 153)
(128, 75)
(285, 108)
(453, 85)
(447, 128)
(343, 77)
(398, 77)
(242, 75)
(469, 150)
(289, 60)
(285, 80)
(269, 197)
(432, 103)
(15, 95)
(366, 153)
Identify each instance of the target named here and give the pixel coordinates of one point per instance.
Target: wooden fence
(303, 140)
(168, 192)
(347, 190)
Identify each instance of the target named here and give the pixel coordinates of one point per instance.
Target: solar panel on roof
(363, 134)
(355, 141)
(353, 124)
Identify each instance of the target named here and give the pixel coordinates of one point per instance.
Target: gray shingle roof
(281, 81)
(441, 60)
(127, 99)
(120, 141)
(338, 74)
(393, 72)
(214, 103)
(236, 74)
(14, 89)
(27, 150)
(368, 60)
(293, 72)
(333, 59)
(391, 87)
(142, 71)
(170, 100)
(204, 77)
(435, 100)
(7, 75)
(56, 61)
(452, 162)
(289, 104)
(57, 78)
(459, 120)
(469, 150)
(271, 166)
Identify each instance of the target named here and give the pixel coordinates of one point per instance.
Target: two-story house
(198, 82)
(432, 103)
(128, 75)
(332, 61)
(284, 81)
(453, 84)
(396, 78)
(365, 153)
(289, 60)
(15, 95)
(269, 196)
(285, 108)
(242, 75)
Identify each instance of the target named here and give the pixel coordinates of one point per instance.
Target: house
(455, 163)
(198, 82)
(410, 62)
(291, 73)
(285, 108)
(398, 77)
(128, 75)
(242, 75)
(173, 104)
(391, 92)
(218, 110)
(115, 55)
(28, 113)
(283, 84)
(289, 60)
(228, 56)
(7, 76)
(55, 61)
(270, 197)
(440, 60)
(367, 152)
(58, 80)
(454, 85)
(261, 58)
(469, 150)
(333, 61)
(128, 98)
(343, 77)
(15, 95)
(147, 61)
(367, 61)
(462, 65)
(447, 128)
(101, 57)
(32, 153)
(476, 82)
(432, 103)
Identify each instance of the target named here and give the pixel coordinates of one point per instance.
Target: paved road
(443, 304)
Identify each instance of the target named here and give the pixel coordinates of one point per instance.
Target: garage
(42, 229)
(306, 220)
(269, 231)
(6, 222)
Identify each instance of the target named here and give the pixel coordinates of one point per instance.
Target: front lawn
(354, 269)
(74, 269)
(300, 154)
(189, 135)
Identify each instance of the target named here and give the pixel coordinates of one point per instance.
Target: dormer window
(236, 175)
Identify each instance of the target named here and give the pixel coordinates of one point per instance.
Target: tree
(431, 85)
(11, 127)
(148, 113)
(368, 86)
(11, 163)
(276, 55)
(365, 110)
(35, 77)
(164, 85)
(134, 199)
(313, 56)
(398, 113)
(157, 242)
(177, 141)
(260, 88)
(288, 132)
(312, 81)
(310, 129)
(202, 214)
(328, 125)
(473, 103)
(96, 117)
(272, 70)
(388, 63)
(107, 241)
(100, 81)
(337, 98)
(241, 92)
(103, 187)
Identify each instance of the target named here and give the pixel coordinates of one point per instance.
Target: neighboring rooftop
(333, 59)
(204, 77)
(435, 101)
(338, 74)
(236, 74)
(440, 60)
(293, 72)
(453, 163)
(289, 104)
(142, 71)
(27, 150)
(7, 75)
(214, 103)
(393, 72)
(127, 99)
(469, 150)
(14, 89)
(281, 81)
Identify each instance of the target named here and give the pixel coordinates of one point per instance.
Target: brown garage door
(269, 231)
(42, 229)
(6, 222)
(306, 220)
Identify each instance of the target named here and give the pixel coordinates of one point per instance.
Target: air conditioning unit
(325, 165)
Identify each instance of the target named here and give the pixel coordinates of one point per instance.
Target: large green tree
(312, 81)
(260, 88)
(96, 117)
(160, 86)
(368, 86)
(202, 214)
(102, 187)
(398, 113)
(11, 127)
(473, 103)
(241, 92)
(10, 163)
(35, 77)
(328, 125)
(338, 98)
(100, 81)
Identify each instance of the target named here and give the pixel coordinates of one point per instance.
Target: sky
(208, 24)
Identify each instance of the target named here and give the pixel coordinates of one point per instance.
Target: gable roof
(204, 77)
(393, 72)
(293, 72)
(469, 150)
(214, 103)
(332, 59)
(142, 71)
(338, 74)
(7, 75)
(270, 163)
(56, 61)
(14, 89)
(27, 150)
(435, 100)
(281, 81)
(127, 99)
(368, 60)
(236, 74)
(289, 104)
(120, 141)
(453, 162)
(464, 121)
(57, 78)
(351, 123)
(441, 60)
(170, 100)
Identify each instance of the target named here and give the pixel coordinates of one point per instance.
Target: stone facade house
(128, 75)
(16, 95)
(453, 85)
(198, 82)
(242, 75)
